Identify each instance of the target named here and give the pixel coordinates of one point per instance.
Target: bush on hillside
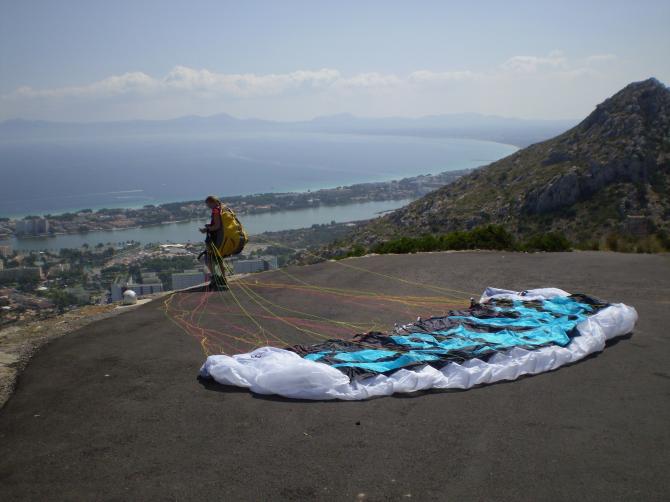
(485, 237)
(551, 242)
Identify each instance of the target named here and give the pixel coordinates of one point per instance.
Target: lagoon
(188, 231)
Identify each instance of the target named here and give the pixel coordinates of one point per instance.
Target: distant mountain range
(604, 181)
(519, 132)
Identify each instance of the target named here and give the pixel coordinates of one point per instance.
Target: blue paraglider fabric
(477, 333)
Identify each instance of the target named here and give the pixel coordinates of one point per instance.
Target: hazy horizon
(353, 116)
(85, 61)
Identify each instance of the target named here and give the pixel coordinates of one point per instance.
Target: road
(114, 411)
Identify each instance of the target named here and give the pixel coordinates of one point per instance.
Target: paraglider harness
(228, 240)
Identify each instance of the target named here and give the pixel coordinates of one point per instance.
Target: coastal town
(89, 220)
(41, 284)
(37, 285)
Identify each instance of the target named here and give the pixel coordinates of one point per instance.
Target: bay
(188, 231)
(55, 176)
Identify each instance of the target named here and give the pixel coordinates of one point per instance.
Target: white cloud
(245, 85)
(371, 80)
(532, 64)
(184, 79)
(600, 58)
(431, 77)
(511, 85)
(115, 85)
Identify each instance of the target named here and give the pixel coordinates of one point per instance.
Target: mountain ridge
(607, 176)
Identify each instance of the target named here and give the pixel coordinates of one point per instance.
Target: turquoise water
(188, 231)
(40, 177)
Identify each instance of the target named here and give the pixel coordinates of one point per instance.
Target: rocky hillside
(606, 179)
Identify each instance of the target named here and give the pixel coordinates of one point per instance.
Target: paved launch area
(114, 411)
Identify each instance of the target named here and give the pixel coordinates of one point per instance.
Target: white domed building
(129, 297)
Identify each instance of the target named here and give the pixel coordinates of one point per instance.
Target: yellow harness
(234, 235)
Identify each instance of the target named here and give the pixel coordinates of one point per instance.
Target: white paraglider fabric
(270, 370)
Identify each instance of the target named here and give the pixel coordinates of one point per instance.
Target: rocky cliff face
(624, 139)
(587, 182)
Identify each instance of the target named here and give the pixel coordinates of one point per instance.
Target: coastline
(172, 222)
(255, 207)
(430, 154)
(186, 230)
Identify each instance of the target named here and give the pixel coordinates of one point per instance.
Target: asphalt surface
(115, 411)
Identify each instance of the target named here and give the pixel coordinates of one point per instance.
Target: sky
(90, 60)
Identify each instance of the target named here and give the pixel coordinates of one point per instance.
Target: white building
(248, 266)
(174, 249)
(149, 277)
(270, 262)
(32, 226)
(256, 265)
(129, 297)
(118, 289)
(188, 279)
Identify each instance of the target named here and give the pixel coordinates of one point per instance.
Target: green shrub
(485, 237)
(551, 242)
(612, 242)
(491, 237)
(357, 250)
(663, 239)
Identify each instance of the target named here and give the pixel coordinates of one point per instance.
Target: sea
(55, 176)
